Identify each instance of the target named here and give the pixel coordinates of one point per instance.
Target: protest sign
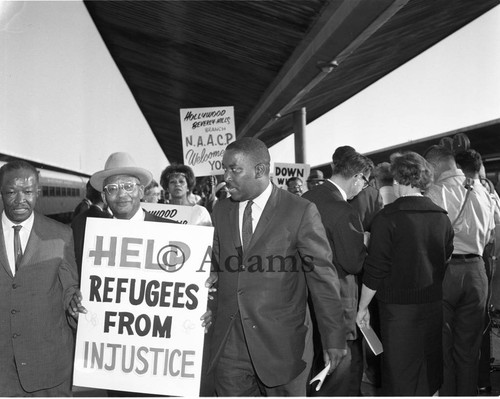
(143, 284)
(206, 132)
(283, 171)
(180, 213)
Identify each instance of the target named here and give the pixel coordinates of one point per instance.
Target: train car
(483, 137)
(60, 192)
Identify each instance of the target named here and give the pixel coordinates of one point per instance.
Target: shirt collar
(262, 199)
(27, 224)
(342, 192)
(450, 173)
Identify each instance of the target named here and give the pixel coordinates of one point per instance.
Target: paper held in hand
(320, 377)
(372, 340)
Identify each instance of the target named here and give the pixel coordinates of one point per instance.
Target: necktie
(18, 249)
(246, 229)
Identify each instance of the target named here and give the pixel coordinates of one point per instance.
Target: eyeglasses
(366, 183)
(113, 188)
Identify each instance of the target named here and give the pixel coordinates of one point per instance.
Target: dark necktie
(18, 249)
(246, 228)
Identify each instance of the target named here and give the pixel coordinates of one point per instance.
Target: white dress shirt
(474, 227)
(8, 236)
(258, 206)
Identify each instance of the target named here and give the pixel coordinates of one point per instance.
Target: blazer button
(242, 267)
(13, 311)
(16, 335)
(254, 326)
(14, 286)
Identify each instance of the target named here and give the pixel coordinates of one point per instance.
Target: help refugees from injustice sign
(206, 132)
(143, 284)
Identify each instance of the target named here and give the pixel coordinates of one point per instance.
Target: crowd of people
(405, 248)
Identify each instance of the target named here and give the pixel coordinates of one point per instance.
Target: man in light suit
(344, 230)
(38, 285)
(268, 262)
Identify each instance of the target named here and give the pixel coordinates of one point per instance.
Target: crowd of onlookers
(405, 248)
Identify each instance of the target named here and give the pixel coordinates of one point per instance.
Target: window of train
(63, 191)
(58, 192)
(52, 191)
(45, 191)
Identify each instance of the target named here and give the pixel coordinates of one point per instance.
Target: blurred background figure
(179, 181)
(411, 242)
(315, 179)
(383, 182)
(152, 192)
(85, 203)
(97, 209)
(294, 185)
(221, 191)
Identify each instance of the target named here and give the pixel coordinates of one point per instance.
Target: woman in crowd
(411, 242)
(179, 181)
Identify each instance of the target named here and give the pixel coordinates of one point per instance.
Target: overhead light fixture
(327, 67)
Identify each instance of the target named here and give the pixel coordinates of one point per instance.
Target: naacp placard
(143, 284)
(206, 132)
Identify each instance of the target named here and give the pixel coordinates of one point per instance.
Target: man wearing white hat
(121, 184)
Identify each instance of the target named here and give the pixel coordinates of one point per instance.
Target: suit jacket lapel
(3, 254)
(234, 223)
(33, 242)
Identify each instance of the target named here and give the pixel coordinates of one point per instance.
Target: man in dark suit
(270, 251)
(346, 237)
(38, 285)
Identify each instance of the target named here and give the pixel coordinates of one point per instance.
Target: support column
(299, 129)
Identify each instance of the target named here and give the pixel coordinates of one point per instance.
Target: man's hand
(334, 356)
(75, 305)
(363, 317)
(206, 320)
(211, 280)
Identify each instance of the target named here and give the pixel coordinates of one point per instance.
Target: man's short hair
(351, 164)
(410, 168)
(383, 174)
(436, 153)
(341, 152)
(469, 161)
(17, 165)
(253, 148)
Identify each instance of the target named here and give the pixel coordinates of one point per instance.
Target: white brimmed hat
(120, 163)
